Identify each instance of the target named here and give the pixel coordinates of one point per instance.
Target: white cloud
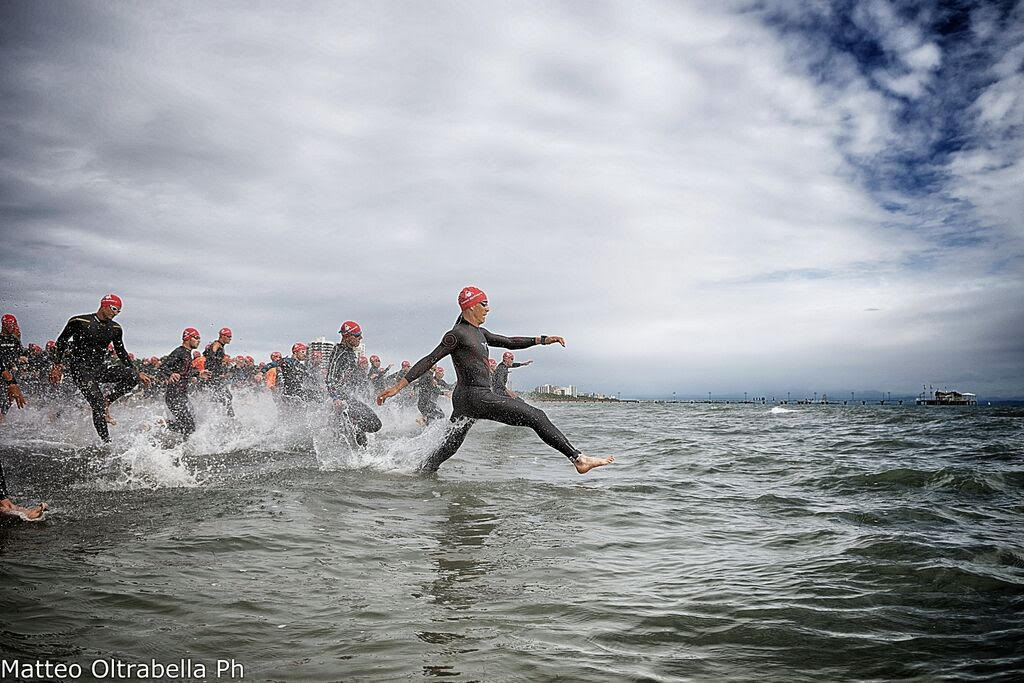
(663, 169)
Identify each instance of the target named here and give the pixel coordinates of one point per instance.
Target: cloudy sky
(729, 196)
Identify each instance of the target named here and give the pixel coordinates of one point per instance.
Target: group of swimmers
(86, 345)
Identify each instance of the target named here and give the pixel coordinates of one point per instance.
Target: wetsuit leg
(507, 410)
(362, 416)
(87, 382)
(184, 422)
(453, 438)
(430, 411)
(123, 379)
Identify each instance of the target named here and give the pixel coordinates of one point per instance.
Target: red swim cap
(493, 363)
(362, 362)
(188, 333)
(250, 359)
(508, 355)
(51, 344)
(225, 331)
(375, 357)
(406, 364)
(298, 346)
(9, 319)
(439, 370)
(470, 297)
(351, 327)
(111, 301)
(276, 355)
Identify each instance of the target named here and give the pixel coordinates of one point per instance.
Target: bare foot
(585, 463)
(10, 507)
(36, 512)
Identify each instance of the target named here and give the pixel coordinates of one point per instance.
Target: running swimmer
(297, 385)
(83, 344)
(499, 376)
(177, 370)
(431, 386)
(214, 364)
(345, 380)
(10, 352)
(467, 344)
(377, 376)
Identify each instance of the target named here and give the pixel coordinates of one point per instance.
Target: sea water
(727, 542)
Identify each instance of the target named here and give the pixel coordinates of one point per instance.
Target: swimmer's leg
(453, 438)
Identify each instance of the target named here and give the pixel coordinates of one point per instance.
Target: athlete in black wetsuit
(346, 381)
(499, 376)
(11, 352)
(430, 386)
(376, 375)
(467, 344)
(214, 365)
(176, 369)
(83, 344)
(297, 385)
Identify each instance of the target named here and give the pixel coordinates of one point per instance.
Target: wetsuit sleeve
(448, 344)
(64, 339)
(508, 342)
(518, 365)
(118, 342)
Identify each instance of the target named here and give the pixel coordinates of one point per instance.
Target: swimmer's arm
(63, 339)
(119, 349)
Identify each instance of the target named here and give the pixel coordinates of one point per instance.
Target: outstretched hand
(554, 340)
(145, 379)
(15, 394)
(386, 394)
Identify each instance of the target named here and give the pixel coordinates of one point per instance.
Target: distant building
(552, 390)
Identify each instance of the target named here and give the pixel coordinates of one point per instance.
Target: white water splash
(144, 454)
(779, 410)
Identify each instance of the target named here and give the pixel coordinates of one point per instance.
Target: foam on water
(143, 454)
(779, 410)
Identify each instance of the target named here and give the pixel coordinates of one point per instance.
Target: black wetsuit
(499, 378)
(10, 351)
(429, 388)
(294, 379)
(473, 399)
(345, 382)
(83, 345)
(378, 378)
(218, 376)
(178, 361)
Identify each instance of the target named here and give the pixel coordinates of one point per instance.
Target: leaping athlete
(467, 344)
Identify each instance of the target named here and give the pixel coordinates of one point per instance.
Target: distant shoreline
(555, 398)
